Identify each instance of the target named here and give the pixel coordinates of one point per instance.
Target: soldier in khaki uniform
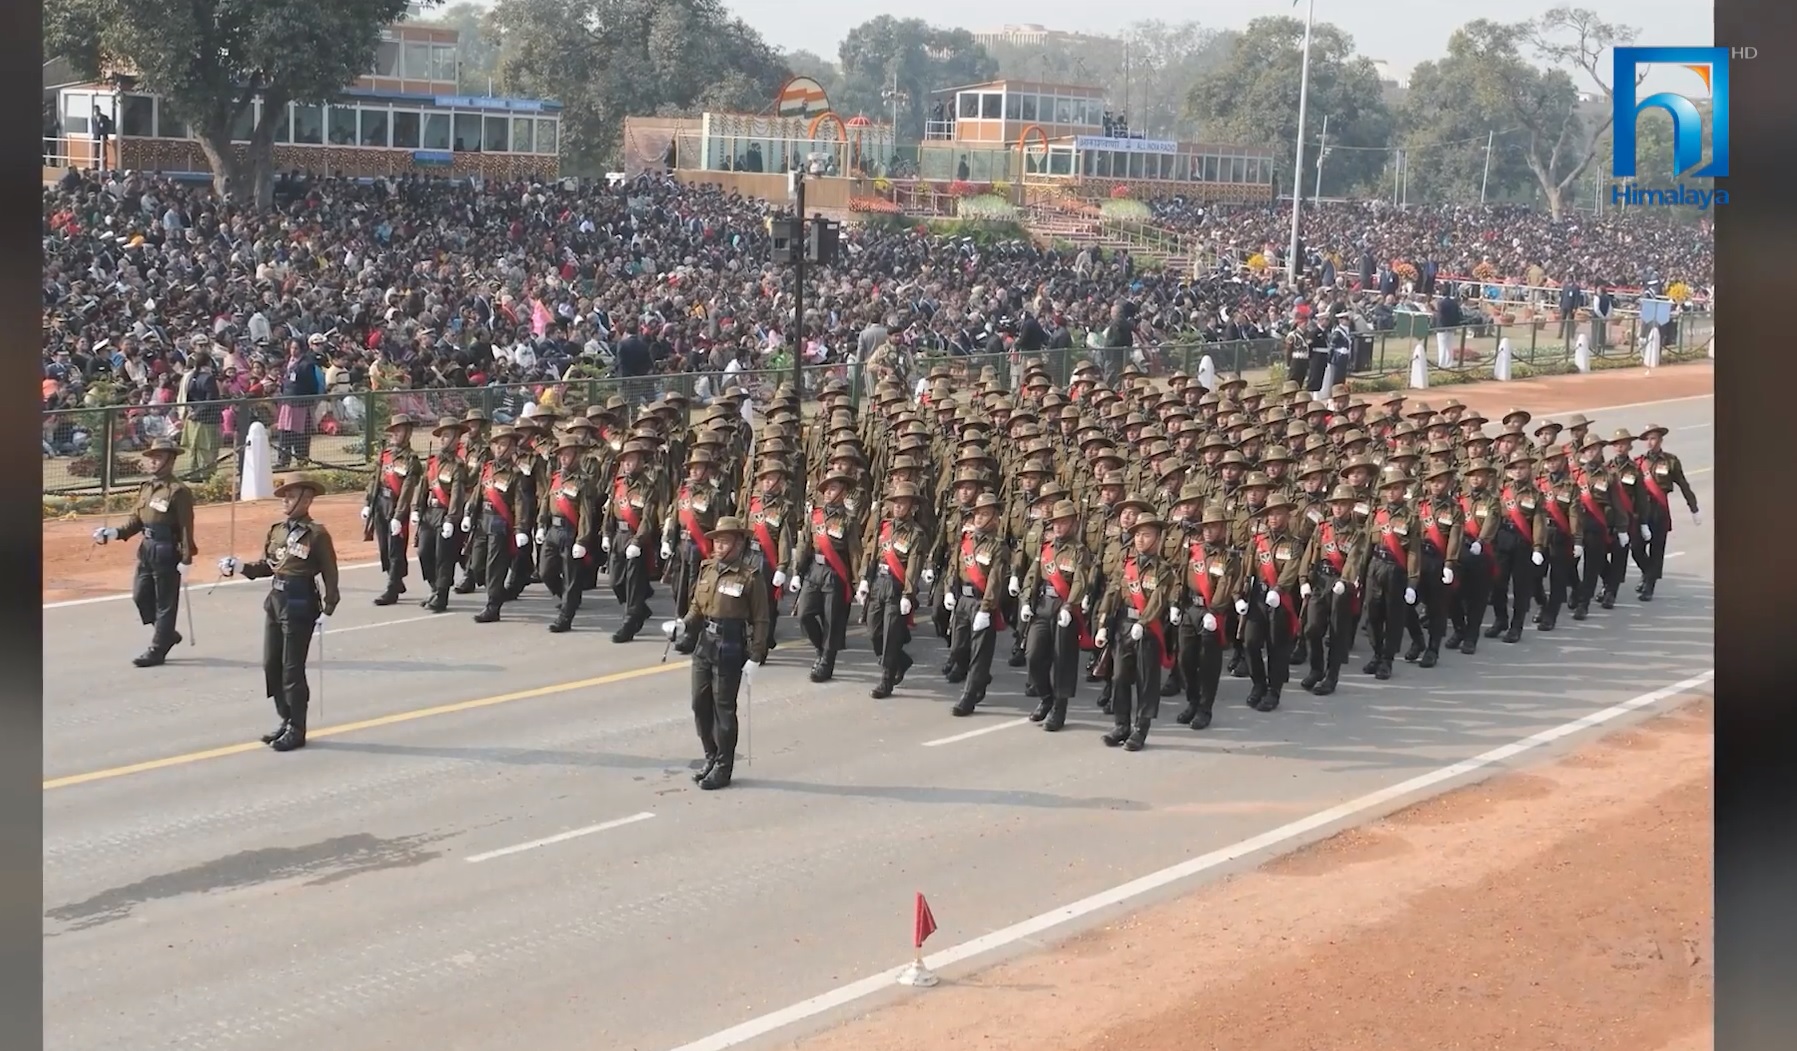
(389, 505)
(771, 520)
(1605, 526)
(1565, 546)
(1206, 602)
(1439, 516)
(501, 509)
(1661, 473)
(163, 513)
(1480, 516)
(1269, 605)
(301, 559)
(568, 531)
(829, 550)
(1056, 598)
(889, 583)
(475, 450)
(688, 519)
(1336, 560)
(1394, 571)
(1138, 604)
(1519, 548)
(726, 630)
(974, 596)
(437, 510)
(628, 535)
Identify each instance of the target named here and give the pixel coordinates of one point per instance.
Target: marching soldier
(627, 536)
(1661, 472)
(889, 586)
(1566, 532)
(1269, 603)
(163, 513)
(974, 598)
(1604, 527)
(475, 450)
(828, 554)
(1481, 515)
(301, 560)
(690, 515)
(771, 521)
(567, 524)
(1213, 580)
(389, 505)
(727, 625)
(437, 510)
(1140, 600)
(1626, 488)
(500, 508)
(954, 522)
(1443, 528)
(1395, 569)
(1336, 560)
(1056, 591)
(1520, 548)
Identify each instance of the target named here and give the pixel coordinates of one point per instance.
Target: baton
(321, 635)
(187, 601)
(748, 734)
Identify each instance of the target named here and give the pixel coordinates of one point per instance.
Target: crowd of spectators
(160, 298)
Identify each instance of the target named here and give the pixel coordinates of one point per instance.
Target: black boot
(705, 768)
(1470, 646)
(968, 702)
(718, 777)
(824, 668)
(1431, 656)
(1017, 658)
(487, 615)
(1300, 653)
(561, 624)
(151, 657)
(438, 602)
(1057, 716)
(1031, 690)
(1327, 686)
(1549, 618)
(1270, 701)
(1647, 591)
(1117, 736)
(389, 596)
(1371, 667)
(1415, 652)
(466, 587)
(905, 663)
(1383, 672)
(1496, 629)
(294, 737)
(1201, 720)
(1137, 737)
(955, 674)
(1255, 693)
(271, 736)
(1581, 611)
(1513, 635)
(1104, 699)
(1608, 599)
(625, 633)
(1042, 710)
(884, 689)
(1187, 714)
(1455, 638)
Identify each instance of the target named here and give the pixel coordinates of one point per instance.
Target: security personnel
(1395, 569)
(567, 531)
(1443, 528)
(1213, 579)
(1661, 473)
(389, 505)
(1520, 548)
(163, 513)
(1604, 526)
(1565, 535)
(726, 630)
(627, 535)
(501, 508)
(302, 560)
(437, 510)
(1139, 603)
(829, 550)
(771, 520)
(1481, 515)
(1054, 606)
(889, 585)
(1269, 603)
(975, 598)
(696, 506)
(1336, 560)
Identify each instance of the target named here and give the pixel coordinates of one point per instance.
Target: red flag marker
(923, 924)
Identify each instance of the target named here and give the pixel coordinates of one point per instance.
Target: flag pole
(1291, 261)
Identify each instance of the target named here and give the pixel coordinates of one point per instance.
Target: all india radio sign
(1084, 143)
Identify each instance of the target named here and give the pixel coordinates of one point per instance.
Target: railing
(74, 151)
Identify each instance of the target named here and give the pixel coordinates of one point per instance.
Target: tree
(1445, 129)
(1252, 100)
(1558, 140)
(921, 58)
(605, 60)
(209, 60)
(477, 54)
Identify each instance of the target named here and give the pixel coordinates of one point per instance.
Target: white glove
(1646, 533)
(414, 518)
(394, 527)
(580, 551)
(779, 578)
(929, 576)
(540, 534)
(1241, 606)
(1447, 574)
(1409, 596)
(904, 607)
(667, 551)
(1025, 614)
(448, 530)
(1065, 618)
(1304, 589)
(1015, 587)
(365, 513)
(1537, 558)
(227, 566)
(523, 539)
(1578, 550)
(633, 551)
(948, 600)
(604, 543)
(1340, 588)
(468, 525)
(1101, 639)
(794, 584)
(1475, 548)
(1273, 599)
(323, 619)
(180, 569)
(1622, 539)
(105, 533)
(1697, 518)
(749, 673)
(1136, 632)
(982, 620)
(1210, 622)
(1173, 616)
(670, 628)
(861, 593)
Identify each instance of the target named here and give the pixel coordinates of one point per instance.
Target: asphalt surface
(203, 892)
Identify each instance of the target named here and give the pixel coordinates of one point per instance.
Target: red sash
(1433, 534)
(770, 551)
(1562, 519)
(1622, 494)
(689, 521)
(1592, 508)
(1139, 599)
(822, 543)
(437, 489)
(389, 479)
(978, 575)
(1268, 568)
(895, 567)
(1063, 589)
(496, 501)
(633, 519)
(1206, 587)
(1659, 494)
(1469, 522)
(1338, 560)
(1391, 541)
(565, 508)
(1514, 510)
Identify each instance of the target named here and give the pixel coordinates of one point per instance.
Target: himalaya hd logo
(1710, 64)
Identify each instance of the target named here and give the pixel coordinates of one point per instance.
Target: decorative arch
(842, 130)
(1023, 157)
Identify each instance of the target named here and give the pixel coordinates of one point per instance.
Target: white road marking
(880, 983)
(981, 732)
(381, 624)
(561, 837)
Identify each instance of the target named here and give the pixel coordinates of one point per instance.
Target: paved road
(204, 893)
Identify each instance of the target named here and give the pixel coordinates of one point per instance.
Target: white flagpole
(1291, 262)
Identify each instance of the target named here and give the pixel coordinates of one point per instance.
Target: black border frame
(1756, 664)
